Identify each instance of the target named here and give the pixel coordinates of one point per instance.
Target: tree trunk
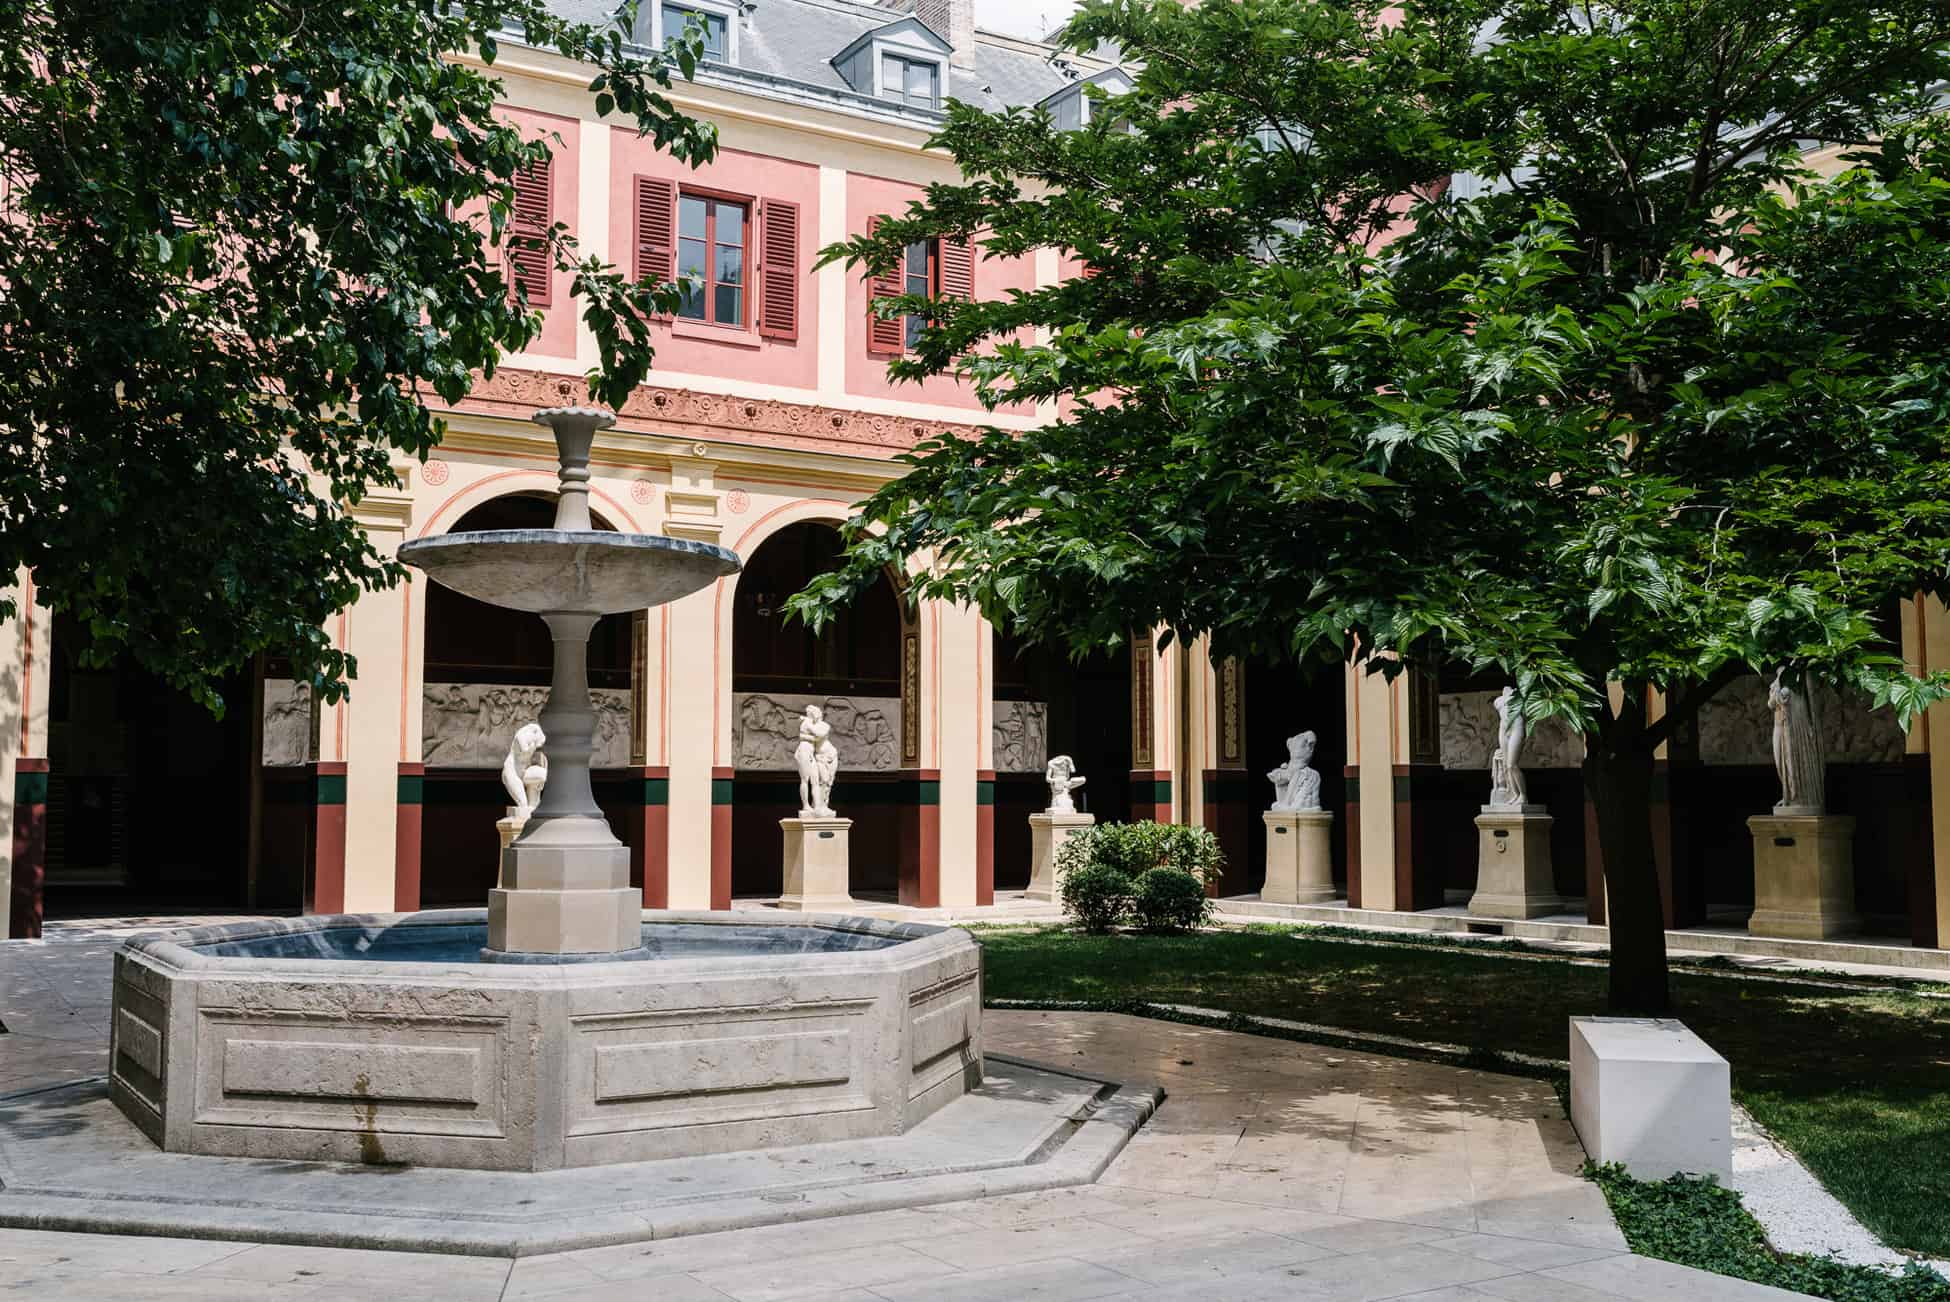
(1618, 775)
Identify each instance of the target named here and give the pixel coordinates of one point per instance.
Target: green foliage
(1154, 870)
(1169, 900)
(1532, 428)
(1697, 1223)
(245, 246)
(1136, 848)
(1095, 895)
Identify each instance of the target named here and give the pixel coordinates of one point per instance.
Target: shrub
(1095, 895)
(1136, 848)
(1170, 900)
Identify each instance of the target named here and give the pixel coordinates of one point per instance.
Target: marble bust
(525, 771)
(1061, 774)
(818, 761)
(1797, 750)
(1507, 789)
(1296, 784)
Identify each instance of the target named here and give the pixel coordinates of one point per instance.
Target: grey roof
(786, 48)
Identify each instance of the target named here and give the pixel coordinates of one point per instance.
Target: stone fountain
(563, 1026)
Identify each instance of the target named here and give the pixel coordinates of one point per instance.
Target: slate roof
(786, 47)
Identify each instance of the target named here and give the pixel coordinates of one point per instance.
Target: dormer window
(903, 63)
(914, 82)
(720, 31)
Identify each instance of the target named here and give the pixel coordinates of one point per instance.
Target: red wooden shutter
(778, 270)
(957, 269)
(528, 262)
(656, 229)
(886, 337)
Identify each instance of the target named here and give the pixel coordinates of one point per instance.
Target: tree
(1634, 408)
(242, 247)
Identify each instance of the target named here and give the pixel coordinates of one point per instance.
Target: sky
(1030, 18)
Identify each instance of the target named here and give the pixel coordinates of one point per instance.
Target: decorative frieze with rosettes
(790, 424)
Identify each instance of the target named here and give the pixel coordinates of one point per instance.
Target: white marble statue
(525, 771)
(1797, 750)
(818, 761)
(1506, 776)
(1062, 778)
(1296, 784)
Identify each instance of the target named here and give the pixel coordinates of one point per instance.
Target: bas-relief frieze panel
(1737, 727)
(1021, 732)
(1468, 731)
(787, 424)
(287, 723)
(765, 730)
(469, 725)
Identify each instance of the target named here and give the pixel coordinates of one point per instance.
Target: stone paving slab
(69, 1160)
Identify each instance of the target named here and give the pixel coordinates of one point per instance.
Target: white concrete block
(1649, 1093)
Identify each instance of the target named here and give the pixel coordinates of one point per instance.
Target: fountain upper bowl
(570, 570)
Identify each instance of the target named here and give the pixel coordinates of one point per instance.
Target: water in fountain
(565, 893)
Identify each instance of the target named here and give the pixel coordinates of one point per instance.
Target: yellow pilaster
(375, 720)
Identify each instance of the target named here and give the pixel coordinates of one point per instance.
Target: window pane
(917, 284)
(920, 82)
(714, 36)
(731, 305)
(690, 217)
(892, 74)
(693, 304)
(690, 261)
(731, 223)
(917, 258)
(914, 324)
(731, 264)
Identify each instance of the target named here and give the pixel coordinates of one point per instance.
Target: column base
(1804, 876)
(1299, 857)
(1513, 865)
(817, 865)
(1047, 833)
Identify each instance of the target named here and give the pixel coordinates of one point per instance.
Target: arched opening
(851, 669)
(486, 674)
(1047, 704)
(149, 795)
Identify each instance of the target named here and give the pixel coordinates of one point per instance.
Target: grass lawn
(1856, 1081)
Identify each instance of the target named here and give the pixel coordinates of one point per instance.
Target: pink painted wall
(693, 346)
(558, 338)
(866, 373)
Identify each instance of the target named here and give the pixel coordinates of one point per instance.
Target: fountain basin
(372, 1038)
(587, 570)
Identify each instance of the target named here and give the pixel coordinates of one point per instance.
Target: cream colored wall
(26, 644)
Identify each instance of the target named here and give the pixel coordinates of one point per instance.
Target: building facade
(768, 416)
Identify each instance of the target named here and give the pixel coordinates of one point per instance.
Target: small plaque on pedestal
(1047, 833)
(816, 864)
(1299, 857)
(1804, 875)
(1513, 864)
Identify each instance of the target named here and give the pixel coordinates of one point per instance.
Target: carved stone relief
(287, 723)
(1737, 727)
(765, 730)
(1468, 731)
(1021, 731)
(469, 725)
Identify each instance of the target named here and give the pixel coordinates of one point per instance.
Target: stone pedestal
(1513, 864)
(508, 829)
(1299, 856)
(1649, 1093)
(1804, 876)
(1047, 833)
(816, 864)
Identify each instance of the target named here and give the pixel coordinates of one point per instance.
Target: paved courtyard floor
(1273, 1170)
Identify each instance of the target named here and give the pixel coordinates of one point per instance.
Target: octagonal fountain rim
(904, 943)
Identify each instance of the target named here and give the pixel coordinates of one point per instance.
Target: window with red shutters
(528, 258)
(655, 228)
(778, 269)
(886, 336)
